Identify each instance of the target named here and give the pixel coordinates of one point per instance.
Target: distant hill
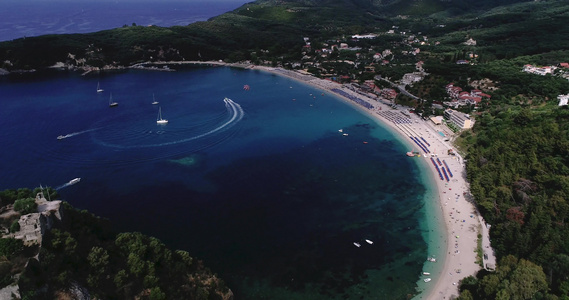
(273, 25)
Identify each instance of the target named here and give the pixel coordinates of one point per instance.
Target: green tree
(98, 260)
(526, 280)
(136, 265)
(15, 226)
(120, 279)
(63, 241)
(465, 295)
(26, 206)
(11, 247)
(503, 295)
(157, 294)
(5, 272)
(489, 285)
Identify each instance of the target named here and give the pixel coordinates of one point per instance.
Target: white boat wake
(71, 182)
(61, 137)
(235, 111)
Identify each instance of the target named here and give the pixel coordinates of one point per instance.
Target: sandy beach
(462, 221)
(463, 224)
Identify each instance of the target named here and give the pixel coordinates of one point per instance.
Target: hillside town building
(459, 119)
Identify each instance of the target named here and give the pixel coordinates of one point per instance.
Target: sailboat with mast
(154, 102)
(159, 120)
(111, 102)
(99, 89)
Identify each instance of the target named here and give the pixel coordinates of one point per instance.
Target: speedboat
(369, 242)
(426, 273)
(74, 181)
(357, 244)
(427, 279)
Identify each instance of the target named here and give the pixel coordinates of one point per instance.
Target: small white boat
(340, 130)
(111, 102)
(99, 89)
(74, 180)
(154, 102)
(357, 244)
(426, 273)
(427, 279)
(345, 134)
(432, 259)
(61, 137)
(369, 242)
(159, 120)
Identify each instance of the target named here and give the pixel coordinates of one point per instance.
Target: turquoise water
(263, 187)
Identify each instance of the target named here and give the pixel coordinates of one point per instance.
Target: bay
(262, 187)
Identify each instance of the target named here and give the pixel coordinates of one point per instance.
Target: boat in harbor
(159, 120)
(74, 181)
(427, 279)
(357, 244)
(369, 242)
(111, 102)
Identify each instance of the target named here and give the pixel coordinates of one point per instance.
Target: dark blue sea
(25, 18)
(261, 186)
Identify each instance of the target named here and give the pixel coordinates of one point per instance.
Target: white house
(461, 120)
(563, 100)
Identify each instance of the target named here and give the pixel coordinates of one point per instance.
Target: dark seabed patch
(289, 221)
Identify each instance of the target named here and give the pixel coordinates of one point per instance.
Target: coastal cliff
(59, 252)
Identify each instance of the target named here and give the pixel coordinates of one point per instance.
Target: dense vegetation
(83, 253)
(518, 173)
(277, 27)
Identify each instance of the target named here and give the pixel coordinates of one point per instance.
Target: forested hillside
(275, 26)
(518, 172)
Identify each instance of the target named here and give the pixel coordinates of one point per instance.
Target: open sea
(25, 18)
(261, 186)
